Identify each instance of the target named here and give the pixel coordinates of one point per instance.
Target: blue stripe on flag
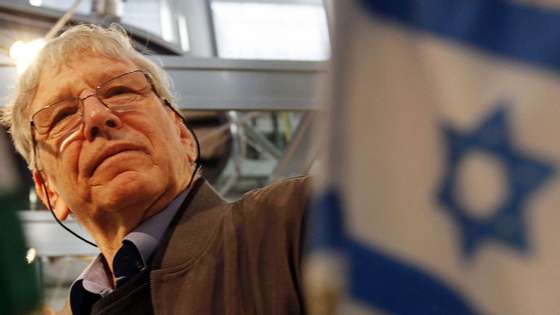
(504, 28)
(399, 288)
(376, 279)
(326, 223)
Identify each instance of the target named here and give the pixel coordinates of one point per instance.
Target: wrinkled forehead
(77, 73)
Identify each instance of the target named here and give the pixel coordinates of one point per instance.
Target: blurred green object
(19, 285)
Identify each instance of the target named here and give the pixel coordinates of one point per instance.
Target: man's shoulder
(280, 193)
(283, 200)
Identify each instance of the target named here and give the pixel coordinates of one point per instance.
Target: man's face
(115, 162)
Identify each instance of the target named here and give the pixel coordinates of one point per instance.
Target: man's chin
(117, 166)
(117, 177)
(127, 188)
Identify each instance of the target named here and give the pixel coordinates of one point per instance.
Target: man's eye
(118, 91)
(63, 114)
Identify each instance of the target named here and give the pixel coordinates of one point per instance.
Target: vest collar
(191, 230)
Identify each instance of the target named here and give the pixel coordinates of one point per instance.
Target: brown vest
(224, 258)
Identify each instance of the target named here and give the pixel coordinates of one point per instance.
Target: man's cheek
(69, 159)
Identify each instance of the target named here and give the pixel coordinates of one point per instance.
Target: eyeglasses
(119, 94)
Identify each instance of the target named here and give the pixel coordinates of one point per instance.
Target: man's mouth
(109, 152)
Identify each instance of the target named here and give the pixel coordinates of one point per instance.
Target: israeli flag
(442, 189)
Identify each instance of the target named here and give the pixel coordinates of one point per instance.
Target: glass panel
(63, 5)
(154, 16)
(248, 30)
(143, 14)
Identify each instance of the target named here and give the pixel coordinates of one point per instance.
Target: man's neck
(110, 243)
(110, 229)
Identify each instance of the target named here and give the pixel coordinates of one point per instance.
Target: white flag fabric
(442, 189)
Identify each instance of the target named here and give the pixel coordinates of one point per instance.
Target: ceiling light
(24, 53)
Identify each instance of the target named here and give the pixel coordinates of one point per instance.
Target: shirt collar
(145, 237)
(95, 278)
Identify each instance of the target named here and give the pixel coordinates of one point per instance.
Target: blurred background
(244, 73)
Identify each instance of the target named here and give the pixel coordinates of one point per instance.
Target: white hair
(111, 42)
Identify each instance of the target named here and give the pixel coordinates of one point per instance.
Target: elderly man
(94, 120)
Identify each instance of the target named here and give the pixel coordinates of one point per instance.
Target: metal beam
(300, 153)
(49, 239)
(261, 143)
(304, 2)
(221, 84)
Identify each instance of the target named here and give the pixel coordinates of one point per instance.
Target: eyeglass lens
(119, 94)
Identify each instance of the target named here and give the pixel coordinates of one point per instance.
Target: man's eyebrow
(66, 92)
(108, 75)
(61, 94)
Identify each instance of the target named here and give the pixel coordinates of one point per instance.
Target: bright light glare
(24, 53)
(31, 255)
(275, 30)
(36, 3)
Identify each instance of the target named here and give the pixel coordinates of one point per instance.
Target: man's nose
(98, 119)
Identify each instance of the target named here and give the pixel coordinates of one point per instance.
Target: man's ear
(187, 138)
(59, 206)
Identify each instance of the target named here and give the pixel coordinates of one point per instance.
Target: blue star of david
(525, 175)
